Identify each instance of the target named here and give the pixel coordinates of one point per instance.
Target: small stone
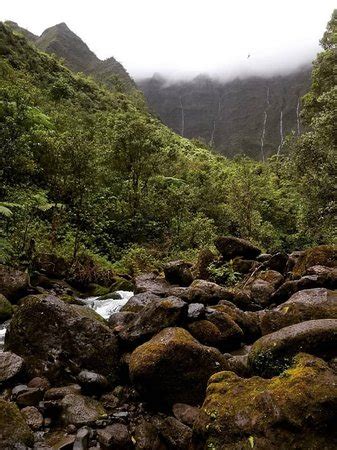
(10, 366)
(39, 382)
(92, 382)
(116, 437)
(33, 417)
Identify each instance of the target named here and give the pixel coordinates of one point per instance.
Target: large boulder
(13, 283)
(11, 365)
(151, 283)
(308, 304)
(159, 314)
(295, 410)
(323, 255)
(173, 367)
(14, 432)
(138, 302)
(51, 265)
(206, 292)
(231, 247)
(6, 309)
(57, 340)
(178, 272)
(272, 353)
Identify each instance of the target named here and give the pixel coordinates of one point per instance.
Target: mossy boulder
(230, 247)
(13, 283)
(308, 304)
(295, 410)
(96, 290)
(323, 255)
(206, 292)
(273, 353)
(122, 284)
(173, 367)
(178, 272)
(6, 309)
(13, 429)
(56, 339)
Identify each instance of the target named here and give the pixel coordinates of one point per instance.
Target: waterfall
(182, 117)
(298, 116)
(265, 117)
(216, 118)
(281, 133)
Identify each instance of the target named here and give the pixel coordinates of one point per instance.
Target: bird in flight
(248, 56)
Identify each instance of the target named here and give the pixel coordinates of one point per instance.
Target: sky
(182, 38)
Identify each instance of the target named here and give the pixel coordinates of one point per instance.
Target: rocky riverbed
(184, 363)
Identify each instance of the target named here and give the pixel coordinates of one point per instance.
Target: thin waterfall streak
(281, 133)
(298, 116)
(211, 141)
(265, 117)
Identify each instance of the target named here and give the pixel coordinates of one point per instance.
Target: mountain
(251, 115)
(65, 44)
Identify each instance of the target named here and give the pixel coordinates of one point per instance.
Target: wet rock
(91, 382)
(206, 292)
(179, 291)
(115, 436)
(173, 367)
(138, 302)
(33, 417)
(119, 320)
(231, 247)
(56, 339)
(11, 365)
(13, 428)
(151, 283)
(195, 311)
(147, 437)
(6, 309)
(175, 434)
(178, 272)
(13, 283)
(30, 397)
(273, 353)
(57, 393)
(295, 410)
(186, 414)
(79, 410)
(323, 255)
(159, 314)
(308, 304)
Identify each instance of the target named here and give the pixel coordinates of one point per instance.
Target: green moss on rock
(6, 309)
(13, 428)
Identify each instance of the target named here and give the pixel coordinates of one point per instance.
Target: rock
(287, 289)
(38, 382)
(123, 283)
(273, 353)
(79, 410)
(195, 311)
(239, 365)
(30, 397)
(185, 413)
(51, 265)
(147, 437)
(272, 277)
(82, 439)
(91, 382)
(11, 365)
(230, 247)
(19, 389)
(263, 257)
(206, 332)
(59, 440)
(278, 262)
(178, 291)
(323, 255)
(151, 283)
(13, 283)
(119, 320)
(326, 275)
(160, 314)
(138, 302)
(176, 435)
(242, 298)
(205, 258)
(173, 367)
(230, 332)
(115, 436)
(305, 305)
(6, 309)
(243, 265)
(56, 339)
(206, 292)
(13, 429)
(33, 417)
(178, 272)
(58, 393)
(295, 410)
(292, 260)
(261, 292)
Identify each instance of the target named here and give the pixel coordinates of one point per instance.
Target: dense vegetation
(88, 174)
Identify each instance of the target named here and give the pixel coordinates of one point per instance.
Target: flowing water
(103, 307)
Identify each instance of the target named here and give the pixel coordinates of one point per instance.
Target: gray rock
(10, 366)
(79, 410)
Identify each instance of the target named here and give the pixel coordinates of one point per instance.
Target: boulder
(273, 353)
(91, 382)
(173, 367)
(323, 255)
(151, 283)
(119, 320)
(138, 302)
(79, 410)
(278, 262)
(230, 247)
(195, 311)
(29, 397)
(147, 437)
(159, 314)
(272, 277)
(175, 434)
(295, 410)
(6, 309)
(56, 339)
(178, 272)
(186, 414)
(205, 258)
(206, 292)
(57, 393)
(326, 275)
(261, 292)
(33, 417)
(309, 304)
(115, 436)
(11, 366)
(13, 428)
(13, 283)
(51, 265)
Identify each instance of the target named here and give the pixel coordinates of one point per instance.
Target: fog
(181, 38)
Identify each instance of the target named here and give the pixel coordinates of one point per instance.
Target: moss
(13, 428)
(323, 255)
(6, 309)
(122, 284)
(97, 291)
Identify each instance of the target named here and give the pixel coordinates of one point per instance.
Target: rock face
(13, 428)
(295, 410)
(56, 339)
(10, 366)
(272, 353)
(305, 305)
(178, 272)
(230, 247)
(173, 367)
(13, 283)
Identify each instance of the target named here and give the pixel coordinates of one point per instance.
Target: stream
(103, 307)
